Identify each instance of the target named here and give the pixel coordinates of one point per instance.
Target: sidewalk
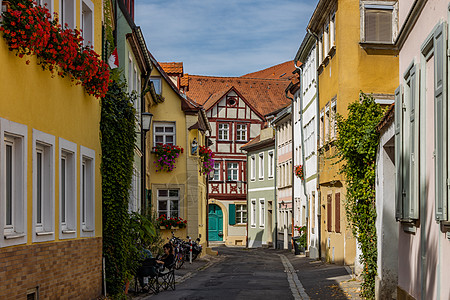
(325, 281)
(184, 273)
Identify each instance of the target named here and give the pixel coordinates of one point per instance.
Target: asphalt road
(241, 274)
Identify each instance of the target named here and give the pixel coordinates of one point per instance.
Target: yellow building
(354, 41)
(179, 121)
(50, 154)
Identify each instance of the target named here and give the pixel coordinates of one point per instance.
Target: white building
(305, 112)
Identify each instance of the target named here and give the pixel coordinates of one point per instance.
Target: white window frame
(87, 14)
(383, 5)
(271, 164)
(216, 171)
(87, 190)
(223, 133)
(253, 213)
(63, 18)
(134, 202)
(262, 212)
(241, 132)
(240, 213)
(157, 84)
(232, 167)
(169, 200)
(164, 134)
(252, 167)
(68, 151)
(261, 166)
(42, 3)
(44, 144)
(16, 133)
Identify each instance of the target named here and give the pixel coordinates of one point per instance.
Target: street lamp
(146, 121)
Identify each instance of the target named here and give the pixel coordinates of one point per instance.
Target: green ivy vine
(357, 144)
(117, 140)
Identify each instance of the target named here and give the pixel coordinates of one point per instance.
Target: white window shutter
(398, 123)
(412, 206)
(440, 106)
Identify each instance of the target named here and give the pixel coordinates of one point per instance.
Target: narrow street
(239, 273)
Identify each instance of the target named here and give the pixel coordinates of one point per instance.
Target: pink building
(422, 150)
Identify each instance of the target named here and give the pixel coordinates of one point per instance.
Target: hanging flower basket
(166, 156)
(29, 30)
(299, 172)
(206, 160)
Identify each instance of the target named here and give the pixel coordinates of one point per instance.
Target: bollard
(190, 250)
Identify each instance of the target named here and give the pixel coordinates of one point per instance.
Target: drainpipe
(144, 150)
(275, 153)
(319, 196)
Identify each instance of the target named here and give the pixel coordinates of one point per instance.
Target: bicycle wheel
(179, 261)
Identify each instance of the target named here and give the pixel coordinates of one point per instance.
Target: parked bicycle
(182, 250)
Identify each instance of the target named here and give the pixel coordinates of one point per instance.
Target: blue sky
(223, 37)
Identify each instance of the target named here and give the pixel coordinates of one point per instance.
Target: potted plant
(299, 171)
(206, 159)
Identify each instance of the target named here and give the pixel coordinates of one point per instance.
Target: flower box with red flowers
(166, 156)
(299, 171)
(30, 30)
(171, 223)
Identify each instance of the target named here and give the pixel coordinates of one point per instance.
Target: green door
(215, 224)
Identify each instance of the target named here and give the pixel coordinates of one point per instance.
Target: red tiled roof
(387, 119)
(172, 67)
(184, 81)
(281, 71)
(265, 95)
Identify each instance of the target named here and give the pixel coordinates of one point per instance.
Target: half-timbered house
(235, 107)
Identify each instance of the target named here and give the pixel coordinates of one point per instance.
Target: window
(164, 133)
(87, 191)
(378, 23)
(337, 212)
(14, 182)
(232, 171)
(67, 189)
(241, 213)
(333, 123)
(321, 129)
(157, 84)
(168, 203)
(241, 132)
(223, 132)
(252, 167)
(329, 213)
(43, 186)
(253, 213)
(87, 22)
(45, 3)
(216, 175)
(261, 165)
(270, 164)
(262, 214)
(67, 12)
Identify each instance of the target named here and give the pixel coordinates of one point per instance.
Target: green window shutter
(398, 123)
(232, 214)
(412, 206)
(440, 137)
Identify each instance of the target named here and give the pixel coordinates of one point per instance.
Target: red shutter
(329, 217)
(337, 212)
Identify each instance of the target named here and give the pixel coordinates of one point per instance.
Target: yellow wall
(351, 70)
(55, 106)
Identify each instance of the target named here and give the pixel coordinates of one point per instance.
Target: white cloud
(224, 38)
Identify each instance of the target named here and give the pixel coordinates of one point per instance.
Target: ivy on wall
(117, 139)
(357, 144)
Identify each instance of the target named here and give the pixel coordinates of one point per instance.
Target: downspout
(275, 245)
(319, 196)
(144, 203)
(292, 170)
(303, 148)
